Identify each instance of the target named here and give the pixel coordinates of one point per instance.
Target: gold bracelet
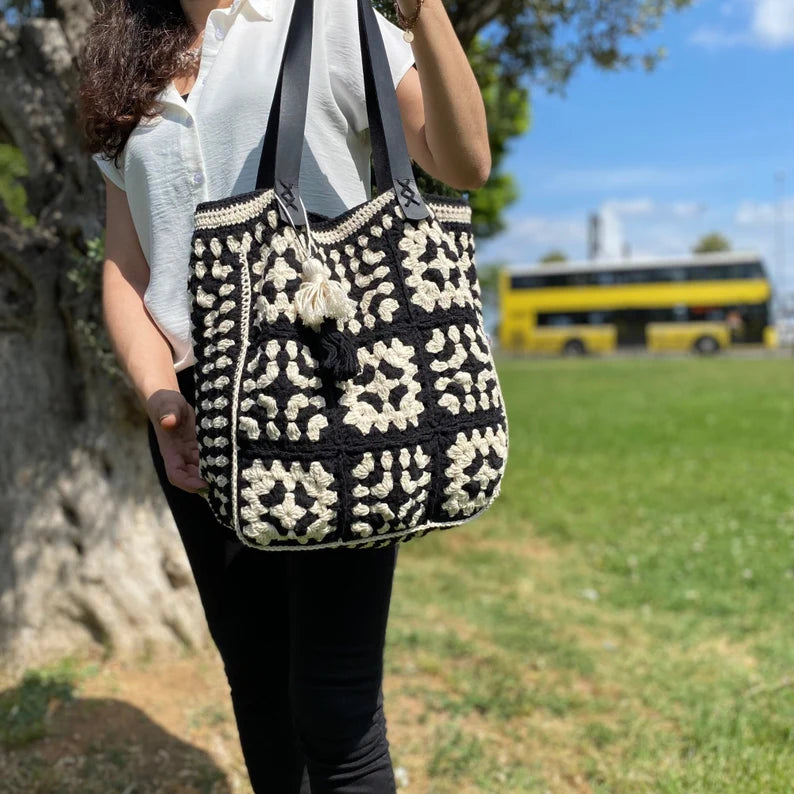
(408, 23)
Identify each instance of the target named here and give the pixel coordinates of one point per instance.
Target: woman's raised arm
(441, 103)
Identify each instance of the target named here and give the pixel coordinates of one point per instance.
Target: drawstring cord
(307, 248)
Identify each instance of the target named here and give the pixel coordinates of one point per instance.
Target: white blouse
(208, 146)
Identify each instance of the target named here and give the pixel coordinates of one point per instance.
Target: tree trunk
(88, 550)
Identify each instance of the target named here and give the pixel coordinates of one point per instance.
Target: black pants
(301, 635)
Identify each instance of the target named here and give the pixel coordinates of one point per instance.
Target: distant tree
(553, 256)
(488, 278)
(712, 243)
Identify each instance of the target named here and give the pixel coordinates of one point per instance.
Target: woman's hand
(174, 423)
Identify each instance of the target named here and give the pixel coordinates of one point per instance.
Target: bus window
(707, 272)
(631, 276)
(526, 282)
(751, 270)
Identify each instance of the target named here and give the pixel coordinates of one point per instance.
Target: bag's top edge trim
(242, 208)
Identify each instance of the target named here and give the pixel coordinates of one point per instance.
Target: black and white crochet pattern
(415, 440)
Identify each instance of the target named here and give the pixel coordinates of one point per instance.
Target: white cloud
(528, 238)
(648, 225)
(687, 209)
(773, 22)
(615, 180)
(541, 230)
(762, 23)
(663, 230)
(716, 39)
(611, 179)
(638, 206)
(760, 213)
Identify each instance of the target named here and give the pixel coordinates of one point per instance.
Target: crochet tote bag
(346, 393)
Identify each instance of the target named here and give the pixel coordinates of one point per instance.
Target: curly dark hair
(129, 55)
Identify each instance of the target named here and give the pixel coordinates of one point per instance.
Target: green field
(620, 620)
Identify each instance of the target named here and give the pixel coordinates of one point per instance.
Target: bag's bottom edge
(371, 541)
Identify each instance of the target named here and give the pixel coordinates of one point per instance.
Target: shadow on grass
(53, 741)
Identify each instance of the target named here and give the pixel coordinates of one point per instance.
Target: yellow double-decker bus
(703, 303)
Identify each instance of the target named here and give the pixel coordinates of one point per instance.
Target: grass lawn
(619, 621)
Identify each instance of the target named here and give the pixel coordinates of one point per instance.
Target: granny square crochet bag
(346, 394)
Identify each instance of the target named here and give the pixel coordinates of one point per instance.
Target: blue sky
(667, 156)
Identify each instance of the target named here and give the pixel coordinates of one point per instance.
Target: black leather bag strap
(389, 150)
(279, 164)
(280, 161)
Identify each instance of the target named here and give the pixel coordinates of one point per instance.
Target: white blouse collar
(263, 8)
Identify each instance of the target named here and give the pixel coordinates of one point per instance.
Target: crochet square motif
(416, 440)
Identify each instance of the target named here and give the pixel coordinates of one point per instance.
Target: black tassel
(337, 354)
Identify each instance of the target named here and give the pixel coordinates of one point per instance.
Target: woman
(301, 635)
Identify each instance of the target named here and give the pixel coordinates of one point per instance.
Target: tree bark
(89, 553)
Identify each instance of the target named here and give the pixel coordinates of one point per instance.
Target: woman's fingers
(189, 479)
(185, 475)
(182, 464)
(192, 483)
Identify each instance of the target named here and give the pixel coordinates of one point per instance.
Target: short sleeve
(344, 53)
(108, 167)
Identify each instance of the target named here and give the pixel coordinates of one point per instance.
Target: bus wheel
(706, 345)
(574, 347)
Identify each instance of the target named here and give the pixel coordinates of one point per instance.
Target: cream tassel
(319, 297)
